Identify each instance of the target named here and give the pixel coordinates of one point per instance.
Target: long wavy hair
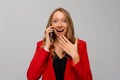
(70, 30)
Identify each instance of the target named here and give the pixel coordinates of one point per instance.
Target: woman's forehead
(58, 14)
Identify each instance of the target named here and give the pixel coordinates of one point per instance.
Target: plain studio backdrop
(22, 24)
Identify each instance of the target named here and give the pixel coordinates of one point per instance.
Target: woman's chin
(60, 34)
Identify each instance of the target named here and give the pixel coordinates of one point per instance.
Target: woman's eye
(54, 21)
(65, 21)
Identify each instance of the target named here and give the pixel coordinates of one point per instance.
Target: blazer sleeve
(38, 62)
(82, 68)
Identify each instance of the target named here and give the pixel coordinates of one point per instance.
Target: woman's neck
(58, 50)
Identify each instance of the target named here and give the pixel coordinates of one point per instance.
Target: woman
(60, 56)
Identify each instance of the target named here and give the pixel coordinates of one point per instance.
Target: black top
(59, 67)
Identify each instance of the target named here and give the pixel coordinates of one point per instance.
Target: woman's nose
(59, 24)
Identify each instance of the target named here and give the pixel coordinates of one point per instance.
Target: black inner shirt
(59, 67)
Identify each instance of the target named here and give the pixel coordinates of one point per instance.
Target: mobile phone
(52, 36)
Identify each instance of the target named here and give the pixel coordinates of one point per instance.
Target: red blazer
(41, 64)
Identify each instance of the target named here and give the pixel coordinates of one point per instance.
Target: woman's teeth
(60, 30)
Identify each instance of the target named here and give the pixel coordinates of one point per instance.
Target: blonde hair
(70, 31)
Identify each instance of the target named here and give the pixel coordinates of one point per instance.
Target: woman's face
(59, 23)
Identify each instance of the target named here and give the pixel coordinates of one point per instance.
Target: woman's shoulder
(82, 42)
(82, 45)
(40, 42)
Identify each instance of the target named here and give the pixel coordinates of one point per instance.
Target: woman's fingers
(64, 39)
(49, 29)
(76, 41)
(61, 40)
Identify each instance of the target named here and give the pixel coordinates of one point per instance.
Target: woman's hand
(48, 42)
(69, 48)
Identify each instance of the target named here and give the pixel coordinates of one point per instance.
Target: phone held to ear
(52, 36)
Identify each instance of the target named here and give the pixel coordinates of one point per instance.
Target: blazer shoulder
(39, 43)
(81, 42)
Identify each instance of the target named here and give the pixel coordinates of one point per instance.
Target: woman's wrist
(75, 58)
(46, 47)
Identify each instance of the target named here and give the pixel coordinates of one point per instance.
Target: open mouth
(60, 30)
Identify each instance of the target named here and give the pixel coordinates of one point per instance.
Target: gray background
(22, 24)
